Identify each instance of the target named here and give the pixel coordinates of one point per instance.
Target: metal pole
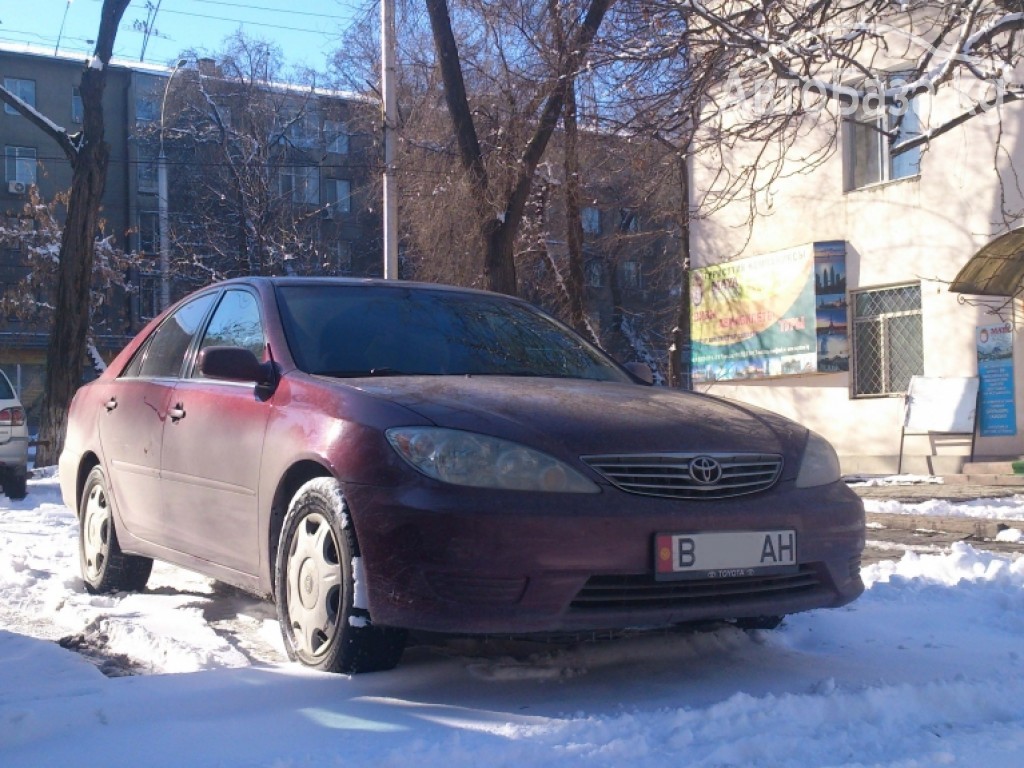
(387, 43)
(162, 201)
(165, 237)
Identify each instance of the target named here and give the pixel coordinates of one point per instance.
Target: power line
(288, 11)
(247, 21)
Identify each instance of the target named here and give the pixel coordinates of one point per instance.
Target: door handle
(177, 413)
(111, 404)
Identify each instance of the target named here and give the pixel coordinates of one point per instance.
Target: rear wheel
(322, 623)
(16, 486)
(105, 568)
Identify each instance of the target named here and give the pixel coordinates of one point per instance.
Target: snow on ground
(1007, 508)
(924, 670)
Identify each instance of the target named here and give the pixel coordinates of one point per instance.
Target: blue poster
(997, 411)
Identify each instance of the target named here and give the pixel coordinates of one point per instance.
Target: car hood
(573, 417)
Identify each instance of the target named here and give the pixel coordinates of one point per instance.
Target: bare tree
(499, 212)
(252, 188)
(34, 233)
(88, 153)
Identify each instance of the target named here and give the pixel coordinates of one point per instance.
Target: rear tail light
(12, 417)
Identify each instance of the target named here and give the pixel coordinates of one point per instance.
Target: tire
(315, 587)
(16, 487)
(105, 568)
(760, 622)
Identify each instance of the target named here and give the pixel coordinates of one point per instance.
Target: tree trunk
(500, 228)
(71, 317)
(573, 223)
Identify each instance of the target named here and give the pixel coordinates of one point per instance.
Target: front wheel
(105, 568)
(322, 623)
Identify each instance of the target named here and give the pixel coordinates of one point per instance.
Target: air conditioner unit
(17, 187)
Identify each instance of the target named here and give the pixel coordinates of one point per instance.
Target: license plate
(724, 555)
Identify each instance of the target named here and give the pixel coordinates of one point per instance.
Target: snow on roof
(163, 70)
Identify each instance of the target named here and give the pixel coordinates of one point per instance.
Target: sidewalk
(958, 488)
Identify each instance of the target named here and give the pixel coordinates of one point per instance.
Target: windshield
(365, 330)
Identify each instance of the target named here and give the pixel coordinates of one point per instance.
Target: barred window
(888, 347)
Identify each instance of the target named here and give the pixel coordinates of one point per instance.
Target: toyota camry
(378, 457)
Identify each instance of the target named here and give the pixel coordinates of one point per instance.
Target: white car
(13, 441)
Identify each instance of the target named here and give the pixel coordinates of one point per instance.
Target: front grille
(668, 474)
(642, 591)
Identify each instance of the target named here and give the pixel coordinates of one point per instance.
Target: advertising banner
(997, 411)
(779, 314)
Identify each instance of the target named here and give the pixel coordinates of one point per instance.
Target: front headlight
(465, 458)
(820, 464)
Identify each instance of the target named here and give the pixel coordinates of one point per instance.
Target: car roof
(283, 281)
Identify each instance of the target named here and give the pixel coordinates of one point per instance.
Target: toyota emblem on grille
(705, 470)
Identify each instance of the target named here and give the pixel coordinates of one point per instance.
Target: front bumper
(482, 561)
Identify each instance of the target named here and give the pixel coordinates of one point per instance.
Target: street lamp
(161, 176)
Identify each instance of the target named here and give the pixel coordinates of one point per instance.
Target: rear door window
(166, 349)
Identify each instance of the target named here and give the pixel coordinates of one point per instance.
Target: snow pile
(923, 670)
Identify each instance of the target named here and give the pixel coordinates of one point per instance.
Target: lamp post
(387, 41)
(162, 203)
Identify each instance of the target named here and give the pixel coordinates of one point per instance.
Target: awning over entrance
(996, 270)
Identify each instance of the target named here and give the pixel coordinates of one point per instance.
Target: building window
(301, 184)
(341, 255)
(149, 232)
(147, 108)
(336, 137)
(20, 164)
(304, 129)
(594, 273)
(591, 218)
(339, 195)
(869, 137)
(888, 345)
(629, 220)
(77, 107)
(149, 295)
(23, 89)
(632, 275)
(146, 170)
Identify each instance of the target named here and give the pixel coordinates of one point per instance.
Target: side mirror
(235, 364)
(642, 371)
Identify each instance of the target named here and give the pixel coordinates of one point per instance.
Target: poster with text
(997, 409)
(779, 314)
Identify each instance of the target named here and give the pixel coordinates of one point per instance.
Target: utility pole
(389, 106)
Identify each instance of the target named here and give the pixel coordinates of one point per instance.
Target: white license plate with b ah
(724, 555)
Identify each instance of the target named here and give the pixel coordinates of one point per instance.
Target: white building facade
(896, 231)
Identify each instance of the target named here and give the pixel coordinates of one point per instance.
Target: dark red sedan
(380, 456)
